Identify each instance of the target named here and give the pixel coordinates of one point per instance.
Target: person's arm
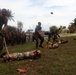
(40, 31)
(5, 27)
(58, 35)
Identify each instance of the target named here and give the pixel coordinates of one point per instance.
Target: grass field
(60, 61)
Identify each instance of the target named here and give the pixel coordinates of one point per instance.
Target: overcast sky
(30, 12)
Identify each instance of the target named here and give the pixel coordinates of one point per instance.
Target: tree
(75, 22)
(53, 28)
(8, 13)
(64, 27)
(11, 28)
(72, 26)
(19, 25)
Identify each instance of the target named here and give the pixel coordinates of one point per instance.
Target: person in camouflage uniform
(35, 54)
(4, 16)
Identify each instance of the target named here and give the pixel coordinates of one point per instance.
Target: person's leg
(1, 51)
(36, 43)
(1, 46)
(41, 41)
(36, 39)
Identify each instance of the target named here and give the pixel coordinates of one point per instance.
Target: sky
(30, 12)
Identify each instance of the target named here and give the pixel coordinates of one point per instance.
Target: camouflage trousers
(24, 55)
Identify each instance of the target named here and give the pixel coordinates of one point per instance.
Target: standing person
(38, 35)
(4, 16)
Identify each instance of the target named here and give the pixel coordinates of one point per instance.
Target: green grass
(60, 61)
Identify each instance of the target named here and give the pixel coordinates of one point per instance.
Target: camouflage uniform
(24, 55)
